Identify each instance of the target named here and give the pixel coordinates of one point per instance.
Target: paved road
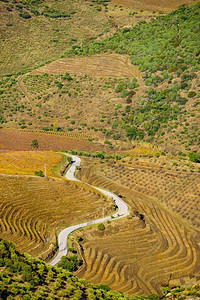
(122, 212)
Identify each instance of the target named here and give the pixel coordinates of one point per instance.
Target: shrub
(191, 94)
(25, 15)
(34, 144)
(71, 263)
(124, 93)
(39, 173)
(194, 157)
(101, 227)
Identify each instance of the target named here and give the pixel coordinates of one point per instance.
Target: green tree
(39, 173)
(131, 132)
(194, 157)
(34, 144)
(101, 227)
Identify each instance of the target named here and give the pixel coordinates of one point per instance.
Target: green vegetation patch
(24, 277)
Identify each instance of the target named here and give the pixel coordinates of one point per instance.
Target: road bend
(122, 212)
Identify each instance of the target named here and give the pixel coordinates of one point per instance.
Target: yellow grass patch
(142, 150)
(102, 65)
(33, 209)
(27, 162)
(157, 5)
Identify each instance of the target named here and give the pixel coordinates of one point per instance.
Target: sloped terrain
(103, 65)
(53, 26)
(152, 248)
(21, 140)
(33, 209)
(27, 162)
(23, 277)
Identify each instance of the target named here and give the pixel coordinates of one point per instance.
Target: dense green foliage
(23, 277)
(39, 173)
(194, 157)
(70, 263)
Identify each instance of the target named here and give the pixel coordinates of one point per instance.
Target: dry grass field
(50, 37)
(33, 209)
(27, 162)
(137, 256)
(157, 5)
(102, 65)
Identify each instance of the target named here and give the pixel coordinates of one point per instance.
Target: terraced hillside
(153, 248)
(23, 277)
(27, 162)
(33, 209)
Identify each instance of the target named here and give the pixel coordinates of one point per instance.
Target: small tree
(34, 144)
(39, 173)
(101, 227)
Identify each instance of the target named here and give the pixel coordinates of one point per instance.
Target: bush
(191, 94)
(39, 173)
(101, 227)
(71, 263)
(124, 93)
(194, 157)
(25, 15)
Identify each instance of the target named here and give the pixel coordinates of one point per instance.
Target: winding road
(122, 212)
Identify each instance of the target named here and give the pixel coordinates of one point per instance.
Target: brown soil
(20, 140)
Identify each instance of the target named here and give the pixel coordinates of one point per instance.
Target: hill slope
(23, 277)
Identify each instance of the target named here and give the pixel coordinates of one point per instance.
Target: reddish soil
(19, 140)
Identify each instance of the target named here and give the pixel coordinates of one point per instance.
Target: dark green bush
(39, 173)
(25, 15)
(194, 157)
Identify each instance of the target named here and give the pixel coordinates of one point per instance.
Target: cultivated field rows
(178, 191)
(102, 65)
(137, 256)
(33, 209)
(19, 140)
(23, 162)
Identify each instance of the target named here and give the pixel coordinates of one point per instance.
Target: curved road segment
(122, 212)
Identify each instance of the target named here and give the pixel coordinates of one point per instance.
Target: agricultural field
(51, 97)
(102, 65)
(158, 244)
(26, 277)
(117, 83)
(19, 140)
(34, 209)
(27, 162)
